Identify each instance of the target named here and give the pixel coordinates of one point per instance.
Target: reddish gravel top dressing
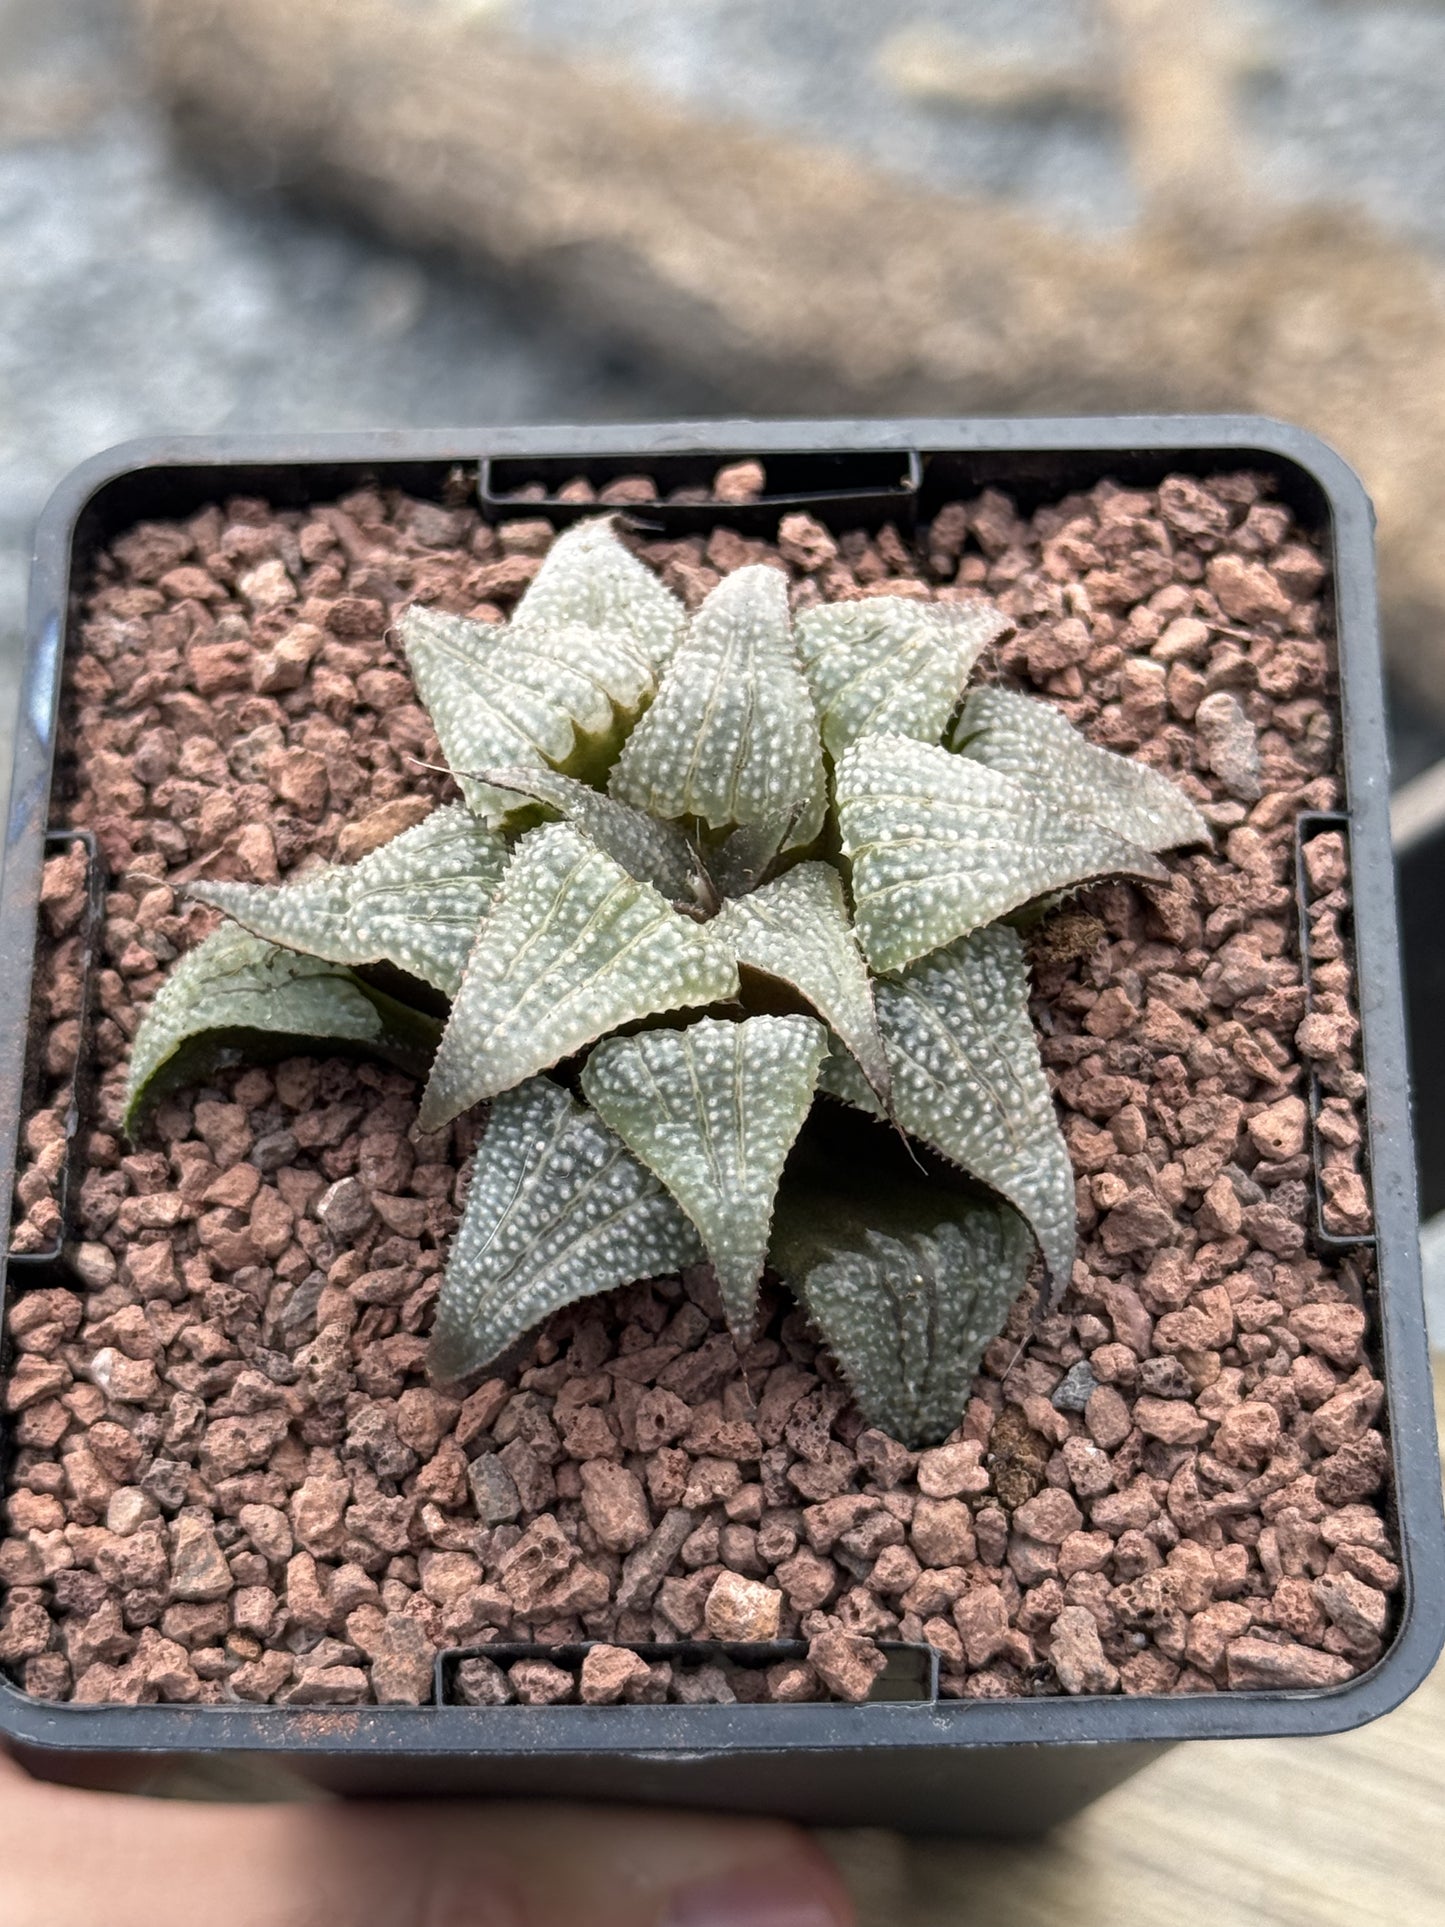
(232, 1479)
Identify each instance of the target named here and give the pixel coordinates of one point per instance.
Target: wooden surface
(1340, 1832)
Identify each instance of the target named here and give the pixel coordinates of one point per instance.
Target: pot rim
(1316, 477)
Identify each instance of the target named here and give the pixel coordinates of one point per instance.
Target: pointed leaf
(732, 737)
(797, 928)
(892, 664)
(502, 694)
(557, 1209)
(1039, 747)
(968, 1080)
(415, 902)
(653, 852)
(740, 864)
(714, 1110)
(941, 846)
(589, 578)
(234, 995)
(572, 948)
(908, 1290)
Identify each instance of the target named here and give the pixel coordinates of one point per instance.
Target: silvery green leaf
(967, 1079)
(653, 852)
(941, 846)
(503, 694)
(739, 864)
(892, 664)
(908, 1289)
(235, 995)
(713, 1110)
(1036, 745)
(589, 578)
(557, 1209)
(572, 947)
(732, 737)
(415, 902)
(797, 928)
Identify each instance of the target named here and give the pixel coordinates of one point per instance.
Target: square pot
(909, 1760)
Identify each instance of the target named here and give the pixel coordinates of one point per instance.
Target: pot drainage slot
(858, 491)
(683, 1672)
(1325, 933)
(45, 1179)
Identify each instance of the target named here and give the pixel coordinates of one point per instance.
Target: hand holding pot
(169, 1863)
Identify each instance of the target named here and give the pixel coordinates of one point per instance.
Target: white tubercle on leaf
(941, 846)
(1038, 747)
(234, 985)
(732, 737)
(797, 928)
(589, 578)
(415, 902)
(892, 664)
(907, 1309)
(713, 1110)
(573, 947)
(967, 1079)
(557, 1209)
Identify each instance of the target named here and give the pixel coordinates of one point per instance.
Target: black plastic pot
(910, 1761)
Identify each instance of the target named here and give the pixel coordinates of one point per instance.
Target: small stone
(481, 1682)
(494, 1491)
(1170, 1420)
(346, 1210)
(1253, 1665)
(1358, 1610)
(981, 1617)
(615, 1505)
(950, 1471)
(401, 1668)
(537, 1682)
(741, 1610)
(129, 1508)
(1246, 591)
(1050, 1516)
(379, 826)
(1230, 744)
(847, 1664)
(198, 1566)
(1335, 1331)
(1077, 1654)
(608, 1671)
(1075, 1388)
(1278, 1131)
(740, 482)
(1247, 1434)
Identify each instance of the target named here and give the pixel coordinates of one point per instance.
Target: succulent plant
(702, 871)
